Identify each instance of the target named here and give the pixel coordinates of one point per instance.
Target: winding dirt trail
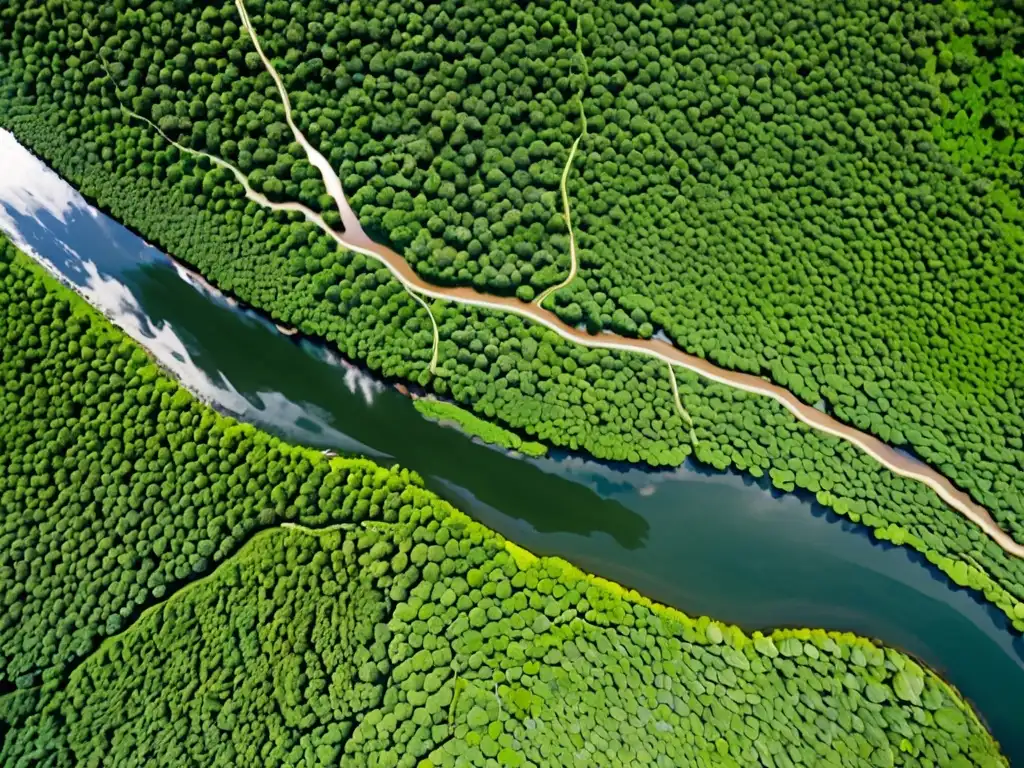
(567, 216)
(355, 239)
(315, 157)
(679, 405)
(353, 229)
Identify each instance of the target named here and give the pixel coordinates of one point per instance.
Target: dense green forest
(829, 196)
(315, 611)
(116, 485)
(189, 68)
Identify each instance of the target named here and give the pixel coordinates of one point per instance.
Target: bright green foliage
(448, 123)
(829, 194)
(981, 73)
(284, 639)
(614, 406)
(347, 648)
(440, 410)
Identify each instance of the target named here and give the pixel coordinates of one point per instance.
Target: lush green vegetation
(192, 65)
(399, 633)
(782, 193)
(117, 486)
(429, 644)
(470, 111)
(827, 195)
(440, 410)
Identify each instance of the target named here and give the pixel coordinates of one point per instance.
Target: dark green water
(705, 542)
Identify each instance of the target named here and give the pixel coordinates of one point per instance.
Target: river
(705, 542)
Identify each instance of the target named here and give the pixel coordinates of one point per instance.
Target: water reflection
(708, 542)
(28, 189)
(46, 217)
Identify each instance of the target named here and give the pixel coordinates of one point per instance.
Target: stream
(705, 542)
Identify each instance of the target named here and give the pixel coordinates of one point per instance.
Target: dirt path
(331, 180)
(354, 233)
(567, 215)
(685, 414)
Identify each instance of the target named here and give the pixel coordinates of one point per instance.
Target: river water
(705, 542)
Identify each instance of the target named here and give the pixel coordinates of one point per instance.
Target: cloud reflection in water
(48, 219)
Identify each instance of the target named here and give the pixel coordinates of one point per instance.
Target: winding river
(705, 542)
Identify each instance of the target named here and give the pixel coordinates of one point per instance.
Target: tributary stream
(705, 542)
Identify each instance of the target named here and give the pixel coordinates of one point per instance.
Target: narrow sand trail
(567, 216)
(348, 217)
(356, 240)
(679, 405)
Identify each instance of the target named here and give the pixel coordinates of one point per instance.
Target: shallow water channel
(705, 542)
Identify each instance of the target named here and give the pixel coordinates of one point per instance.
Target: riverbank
(891, 514)
(359, 492)
(446, 413)
(355, 239)
(961, 567)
